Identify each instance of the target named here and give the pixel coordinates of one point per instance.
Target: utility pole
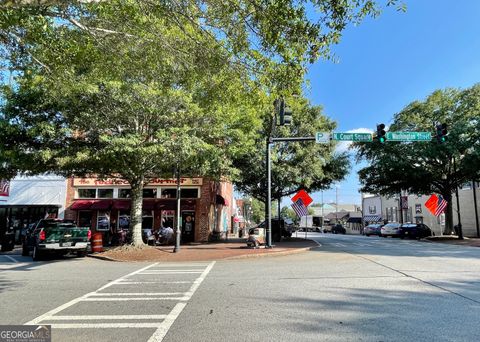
(475, 206)
(460, 232)
(179, 217)
(336, 204)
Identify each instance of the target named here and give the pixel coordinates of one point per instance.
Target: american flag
(300, 208)
(4, 187)
(441, 205)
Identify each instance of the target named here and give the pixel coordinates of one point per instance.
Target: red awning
(121, 205)
(81, 205)
(101, 205)
(148, 205)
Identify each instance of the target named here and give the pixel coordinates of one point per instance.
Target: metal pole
(475, 206)
(179, 218)
(269, 196)
(336, 205)
(460, 232)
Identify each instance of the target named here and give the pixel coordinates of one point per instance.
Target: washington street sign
(409, 136)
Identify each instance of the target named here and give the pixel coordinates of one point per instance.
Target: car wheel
(383, 236)
(36, 254)
(81, 254)
(256, 244)
(25, 251)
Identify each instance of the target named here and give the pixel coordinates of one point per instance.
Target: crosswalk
(170, 283)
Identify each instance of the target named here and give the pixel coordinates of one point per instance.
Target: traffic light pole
(268, 204)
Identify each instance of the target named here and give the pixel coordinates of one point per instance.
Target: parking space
(148, 300)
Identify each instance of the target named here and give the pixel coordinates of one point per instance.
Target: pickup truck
(280, 228)
(52, 236)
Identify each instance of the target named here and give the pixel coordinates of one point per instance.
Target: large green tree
(295, 165)
(428, 167)
(130, 88)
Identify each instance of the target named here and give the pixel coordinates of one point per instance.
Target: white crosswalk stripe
(153, 275)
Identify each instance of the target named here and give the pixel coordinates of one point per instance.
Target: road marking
(151, 282)
(102, 325)
(92, 317)
(162, 330)
(6, 267)
(108, 299)
(172, 272)
(79, 299)
(138, 294)
(12, 259)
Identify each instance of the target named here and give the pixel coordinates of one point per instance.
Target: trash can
(97, 243)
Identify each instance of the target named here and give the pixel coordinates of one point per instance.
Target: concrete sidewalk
(453, 240)
(232, 249)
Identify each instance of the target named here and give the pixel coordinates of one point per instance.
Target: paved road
(351, 288)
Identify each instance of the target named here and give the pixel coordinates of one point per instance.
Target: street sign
(352, 136)
(322, 137)
(409, 136)
(304, 196)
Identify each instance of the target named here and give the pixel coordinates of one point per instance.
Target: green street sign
(409, 136)
(352, 136)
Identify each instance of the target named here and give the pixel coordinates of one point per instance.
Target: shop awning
(148, 205)
(101, 205)
(372, 218)
(121, 205)
(81, 205)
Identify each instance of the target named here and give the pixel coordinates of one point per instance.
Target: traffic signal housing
(285, 114)
(381, 133)
(442, 133)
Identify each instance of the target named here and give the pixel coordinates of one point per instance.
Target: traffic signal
(381, 133)
(442, 133)
(285, 113)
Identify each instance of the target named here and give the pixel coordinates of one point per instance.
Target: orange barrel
(97, 243)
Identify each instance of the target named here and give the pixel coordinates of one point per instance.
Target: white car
(391, 229)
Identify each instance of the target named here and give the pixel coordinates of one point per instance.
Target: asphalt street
(350, 288)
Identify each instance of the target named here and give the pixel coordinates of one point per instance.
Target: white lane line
(111, 317)
(12, 259)
(199, 270)
(79, 299)
(108, 299)
(137, 294)
(6, 267)
(151, 282)
(171, 272)
(162, 330)
(102, 325)
(181, 265)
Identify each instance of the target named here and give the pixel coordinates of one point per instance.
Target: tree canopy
(428, 167)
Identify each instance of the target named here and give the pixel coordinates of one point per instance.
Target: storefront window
(123, 220)
(103, 221)
(147, 219)
(169, 193)
(149, 193)
(124, 193)
(87, 193)
(188, 193)
(85, 219)
(105, 193)
(168, 217)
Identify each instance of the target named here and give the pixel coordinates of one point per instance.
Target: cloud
(343, 146)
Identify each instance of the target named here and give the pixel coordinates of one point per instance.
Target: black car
(414, 230)
(338, 229)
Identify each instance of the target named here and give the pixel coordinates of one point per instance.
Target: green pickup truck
(53, 236)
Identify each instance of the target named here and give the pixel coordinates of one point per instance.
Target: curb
(244, 256)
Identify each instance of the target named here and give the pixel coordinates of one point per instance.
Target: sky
(388, 62)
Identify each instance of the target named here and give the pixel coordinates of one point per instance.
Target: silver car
(391, 229)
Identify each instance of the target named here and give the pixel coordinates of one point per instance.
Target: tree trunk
(136, 212)
(448, 214)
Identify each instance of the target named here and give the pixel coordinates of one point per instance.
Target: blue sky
(388, 62)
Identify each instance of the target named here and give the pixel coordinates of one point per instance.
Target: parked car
(7, 241)
(391, 229)
(373, 229)
(328, 228)
(339, 229)
(256, 237)
(54, 236)
(415, 230)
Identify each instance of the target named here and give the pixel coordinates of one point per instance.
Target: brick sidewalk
(232, 249)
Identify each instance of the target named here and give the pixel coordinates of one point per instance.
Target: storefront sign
(116, 181)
